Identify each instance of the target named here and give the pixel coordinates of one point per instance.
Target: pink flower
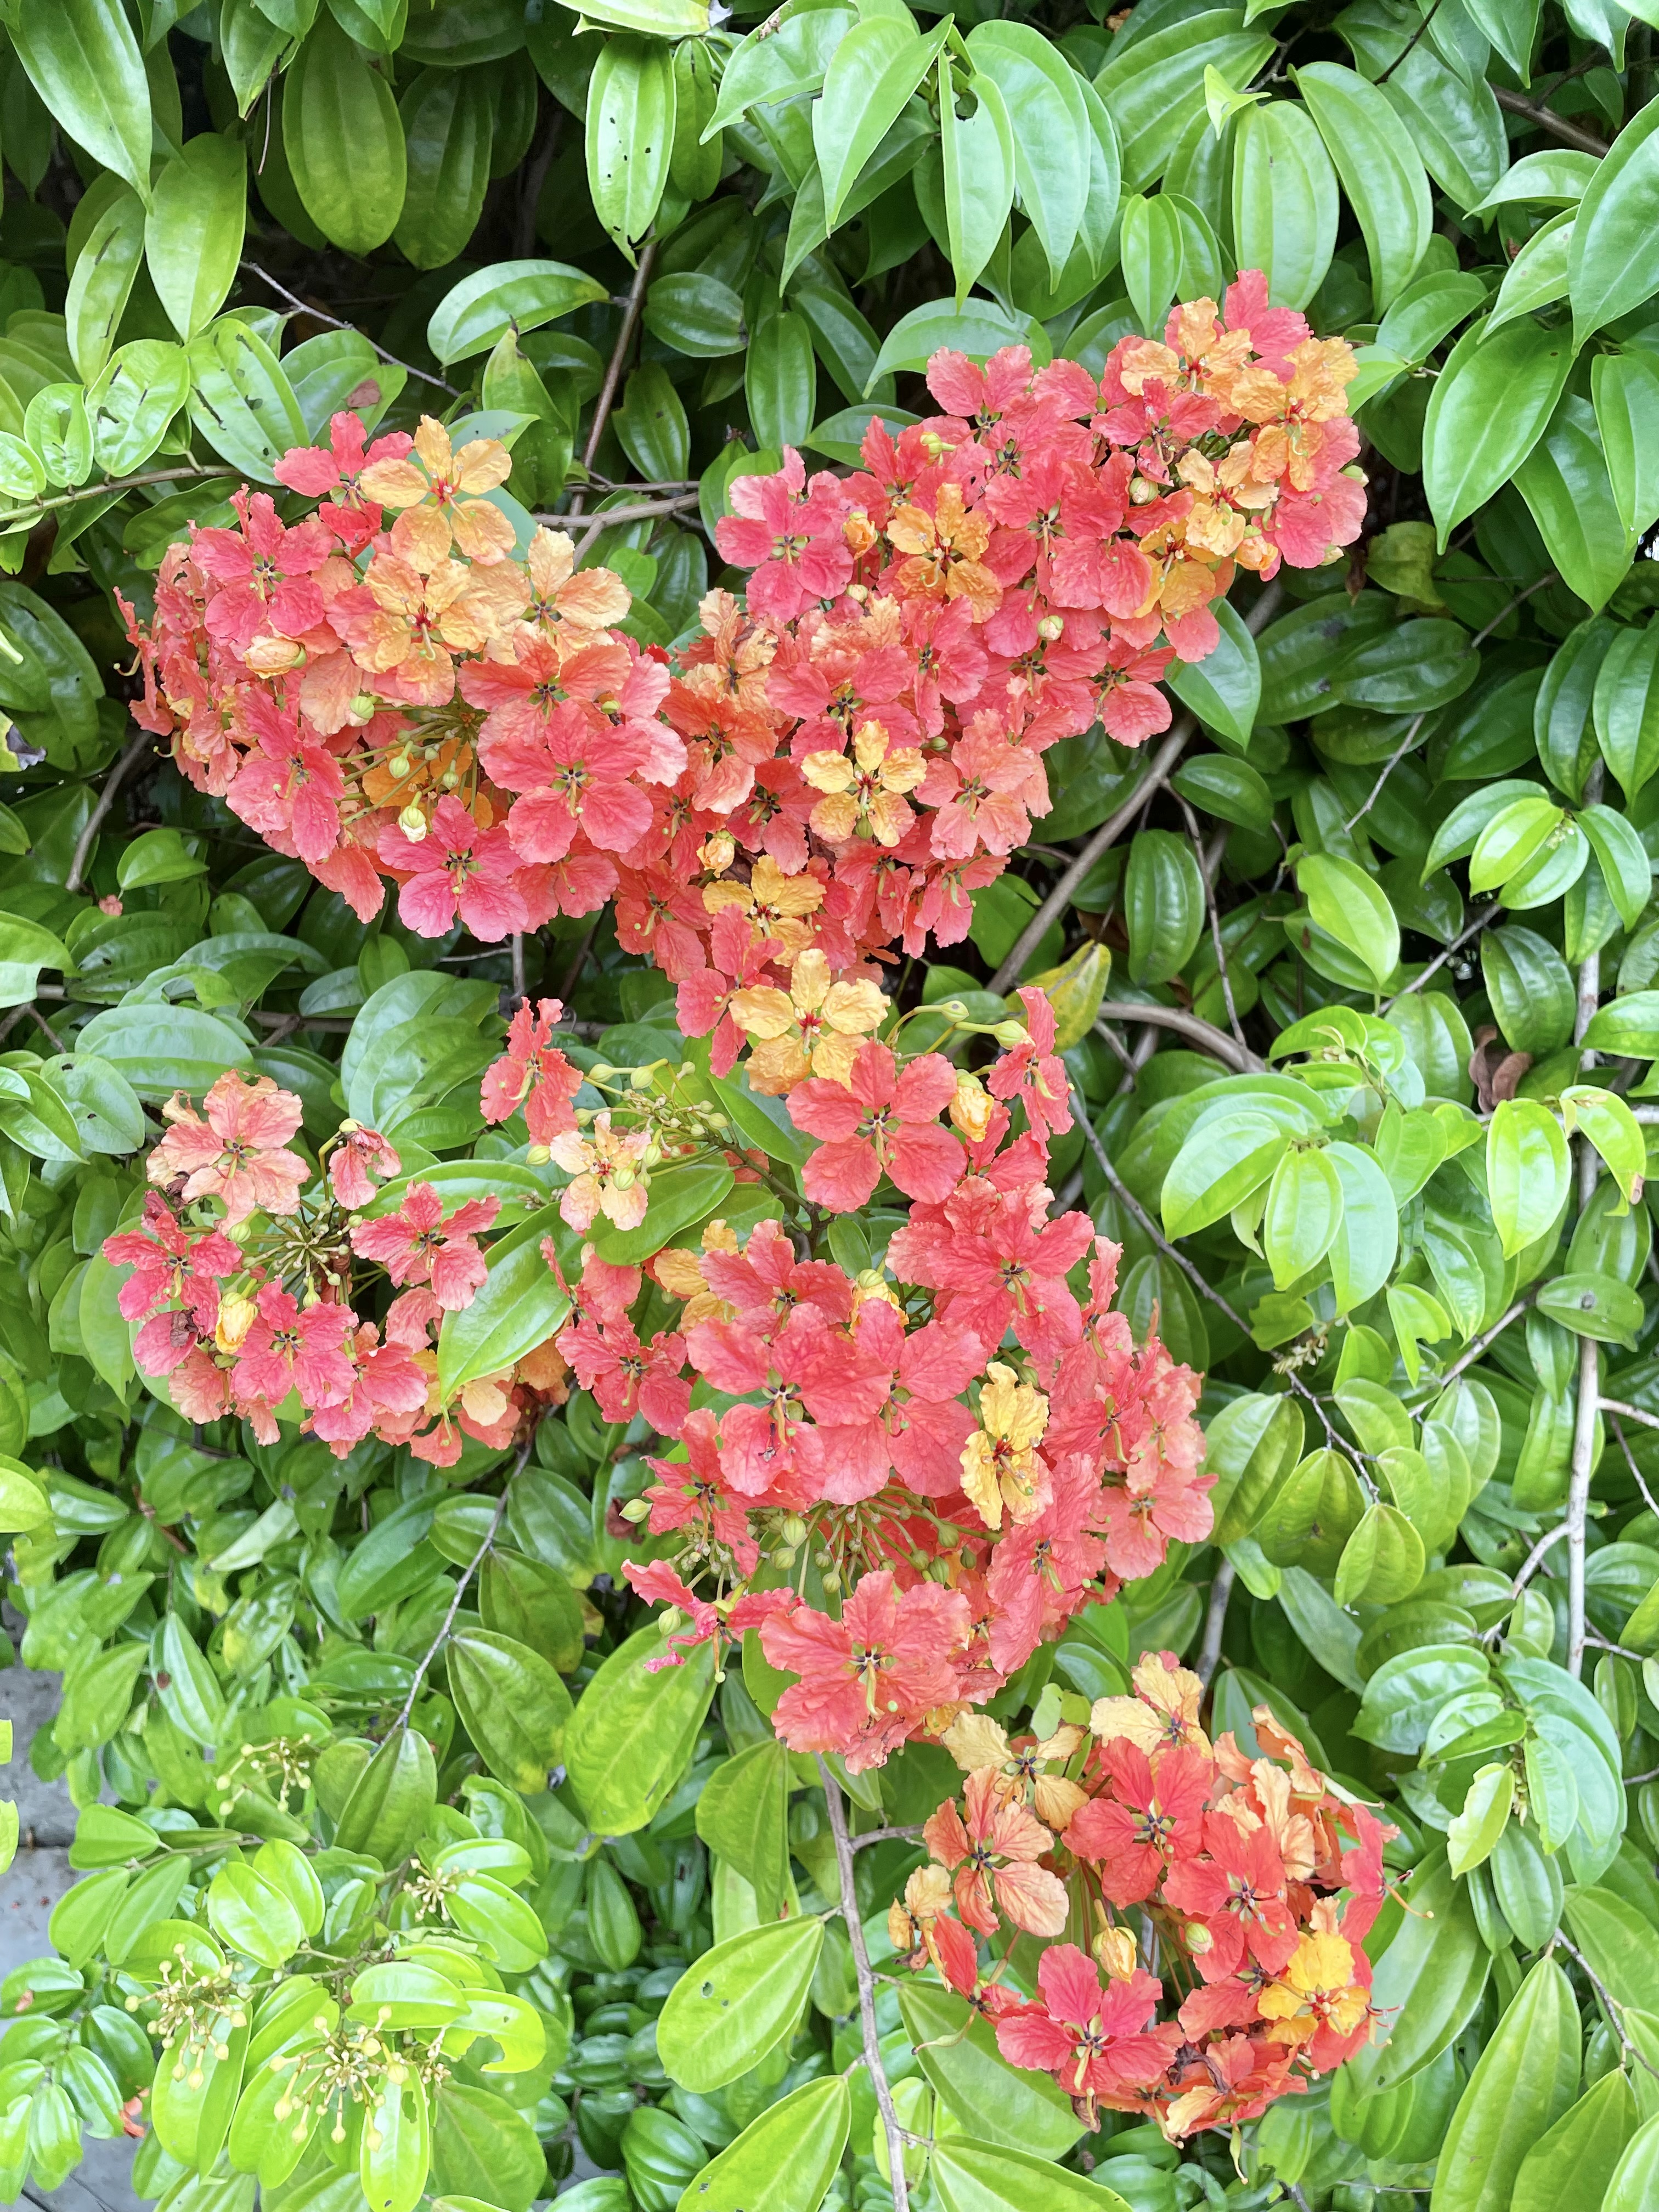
(608, 1176)
(1093, 2040)
(532, 1073)
(882, 1122)
(288, 1349)
(418, 1245)
(236, 1154)
(265, 571)
(167, 1261)
(795, 544)
(361, 1157)
(457, 868)
(867, 1679)
(1034, 1073)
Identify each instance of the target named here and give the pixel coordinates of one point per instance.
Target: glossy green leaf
(1523, 2083)
(513, 1705)
(631, 1735)
(737, 2003)
(630, 135)
(1528, 1169)
(1381, 170)
(84, 61)
(344, 140)
(193, 233)
(1615, 255)
(1490, 406)
(783, 2161)
(1284, 200)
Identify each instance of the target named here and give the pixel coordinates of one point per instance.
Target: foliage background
(1400, 837)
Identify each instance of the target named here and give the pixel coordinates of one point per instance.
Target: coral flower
(991, 1849)
(610, 1178)
(233, 1150)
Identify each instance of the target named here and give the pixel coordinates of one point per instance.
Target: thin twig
(1388, 768)
(849, 1906)
(642, 511)
(1410, 43)
(178, 473)
(467, 1573)
(1615, 2011)
(1519, 600)
(105, 800)
(883, 1836)
(1630, 1412)
(1158, 773)
(517, 968)
(1534, 1558)
(613, 370)
(317, 314)
(1193, 832)
(41, 1022)
(1568, 133)
(1648, 1498)
(1472, 1352)
(1205, 1035)
(1215, 1622)
(1589, 1351)
(1471, 929)
(1059, 897)
(573, 972)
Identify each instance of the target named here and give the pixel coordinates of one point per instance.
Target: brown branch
(317, 314)
(1570, 134)
(1205, 1035)
(1163, 766)
(613, 372)
(866, 1986)
(99, 813)
(181, 472)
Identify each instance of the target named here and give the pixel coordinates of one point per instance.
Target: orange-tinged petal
(394, 483)
(483, 532)
(420, 537)
(594, 598)
(480, 466)
(1033, 1899)
(836, 819)
(763, 1010)
(853, 1007)
(432, 444)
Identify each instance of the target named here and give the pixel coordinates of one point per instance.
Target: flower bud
(972, 1107)
(717, 853)
(794, 1530)
(1012, 1033)
(1052, 627)
(624, 1178)
(400, 764)
(637, 1510)
(362, 707)
(784, 1557)
(601, 1071)
(1113, 1949)
(642, 1078)
(1198, 1937)
(670, 1619)
(413, 822)
(1141, 493)
(537, 1156)
(236, 1317)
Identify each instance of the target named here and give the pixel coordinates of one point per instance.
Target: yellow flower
(445, 478)
(974, 1740)
(777, 905)
(815, 1028)
(945, 549)
(999, 1465)
(864, 795)
(1316, 1989)
(1164, 1715)
(565, 597)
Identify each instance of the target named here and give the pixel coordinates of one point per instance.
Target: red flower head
(1095, 2041)
(534, 1074)
(456, 869)
(417, 1244)
(287, 1348)
(869, 1677)
(794, 543)
(362, 1157)
(235, 1149)
(881, 1122)
(991, 1850)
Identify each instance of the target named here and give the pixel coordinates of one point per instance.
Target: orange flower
(946, 549)
(777, 905)
(420, 620)
(449, 483)
(576, 603)
(813, 1029)
(1165, 1713)
(863, 795)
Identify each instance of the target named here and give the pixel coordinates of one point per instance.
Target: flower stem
(849, 1907)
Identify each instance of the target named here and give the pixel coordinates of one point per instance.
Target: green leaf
(448, 119)
(1051, 130)
(1346, 903)
(344, 140)
(630, 135)
(1284, 200)
(23, 1501)
(1217, 1168)
(979, 331)
(478, 311)
(1383, 1561)
(1613, 1130)
(1381, 170)
(1164, 905)
(1620, 1943)
(1636, 2178)
(1623, 859)
(102, 283)
(1625, 388)
(511, 1704)
(780, 379)
(1537, 277)
(1615, 253)
(1626, 1028)
(84, 61)
(1231, 789)
(241, 400)
(735, 2003)
(1474, 1831)
(1224, 689)
(390, 1803)
(632, 1734)
(978, 154)
(1594, 1306)
(160, 1049)
(1578, 2156)
(132, 404)
(957, 2049)
(1489, 408)
(743, 1815)
(1530, 988)
(27, 947)
(785, 2161)
(982, 2177)
(519, 1306)
(250, 1915)
(193, 233)
(1432, 1978)
(1564, 481)
(1626, 706)
(1303, 1213)
(1529, 1171)
(1522, 2082)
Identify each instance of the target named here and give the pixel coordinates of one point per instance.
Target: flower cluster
(1222, 1899)
(394, 686)
(241, 1282)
